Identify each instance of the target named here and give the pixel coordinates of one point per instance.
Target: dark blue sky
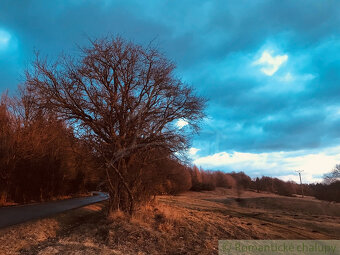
(270, 69)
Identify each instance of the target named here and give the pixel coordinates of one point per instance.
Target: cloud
(305, 178)
(193, 151)
(272, 106)
(297, 79)
(5, 37)
(279, 164)
(288, 77)
(271, 63)
(181, 123)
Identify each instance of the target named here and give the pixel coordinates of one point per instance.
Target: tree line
(40, 158)
(328, 190)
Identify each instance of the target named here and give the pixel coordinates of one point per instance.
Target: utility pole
(299, 172)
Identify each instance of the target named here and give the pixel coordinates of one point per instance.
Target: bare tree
(333, 176)
(7, 147)
(125, 99)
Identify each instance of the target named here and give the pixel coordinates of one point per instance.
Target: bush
(326, 192)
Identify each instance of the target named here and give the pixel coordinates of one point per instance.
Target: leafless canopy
(121, 96)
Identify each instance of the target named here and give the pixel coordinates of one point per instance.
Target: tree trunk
(131, 197)
(3, 197)
(117, 193)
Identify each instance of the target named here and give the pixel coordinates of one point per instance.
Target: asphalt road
(18, 214)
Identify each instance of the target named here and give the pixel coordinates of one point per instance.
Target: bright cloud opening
(4, 39)
(181, 123)
(193, 151)
(271, 63)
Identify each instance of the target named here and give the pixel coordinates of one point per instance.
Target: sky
(269, 69)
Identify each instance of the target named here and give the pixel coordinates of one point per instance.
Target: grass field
(190, 223)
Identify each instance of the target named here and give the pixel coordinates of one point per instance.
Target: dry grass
(31, 235)
(191, 223)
